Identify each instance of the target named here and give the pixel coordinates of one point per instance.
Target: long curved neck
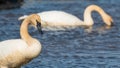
(87, 14)
(24, 31)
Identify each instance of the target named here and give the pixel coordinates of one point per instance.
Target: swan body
(60, 18)
(16, 52)
(57, 18)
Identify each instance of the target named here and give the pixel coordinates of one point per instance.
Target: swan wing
(59, 18)
(9, 46)
(55, 18)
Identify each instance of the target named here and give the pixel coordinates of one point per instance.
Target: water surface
(69, 48)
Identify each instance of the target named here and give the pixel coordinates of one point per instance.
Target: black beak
(112, 24)
(39, 27)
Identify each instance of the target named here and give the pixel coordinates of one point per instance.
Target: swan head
(108, 20)
(35, 20)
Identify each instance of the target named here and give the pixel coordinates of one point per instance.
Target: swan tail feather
(22, 17)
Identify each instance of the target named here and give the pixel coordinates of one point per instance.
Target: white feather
(60, 18)
(16, 52)
(9, 46)
(57, 18)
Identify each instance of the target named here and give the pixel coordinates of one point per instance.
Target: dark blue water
(69, 48)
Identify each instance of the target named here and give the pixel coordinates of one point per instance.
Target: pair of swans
(16, 52)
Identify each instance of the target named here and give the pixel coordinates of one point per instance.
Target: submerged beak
(39, 27)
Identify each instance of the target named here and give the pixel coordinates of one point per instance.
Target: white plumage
(60, 18)
(16, 52)
(9, 46)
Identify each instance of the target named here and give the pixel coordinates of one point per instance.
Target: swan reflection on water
(100, 29)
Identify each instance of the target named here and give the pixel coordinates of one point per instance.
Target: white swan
(16, 52)
(60, 18)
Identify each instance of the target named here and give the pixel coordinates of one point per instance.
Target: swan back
(55, 18)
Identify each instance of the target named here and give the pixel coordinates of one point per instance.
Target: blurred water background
(69, 48)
